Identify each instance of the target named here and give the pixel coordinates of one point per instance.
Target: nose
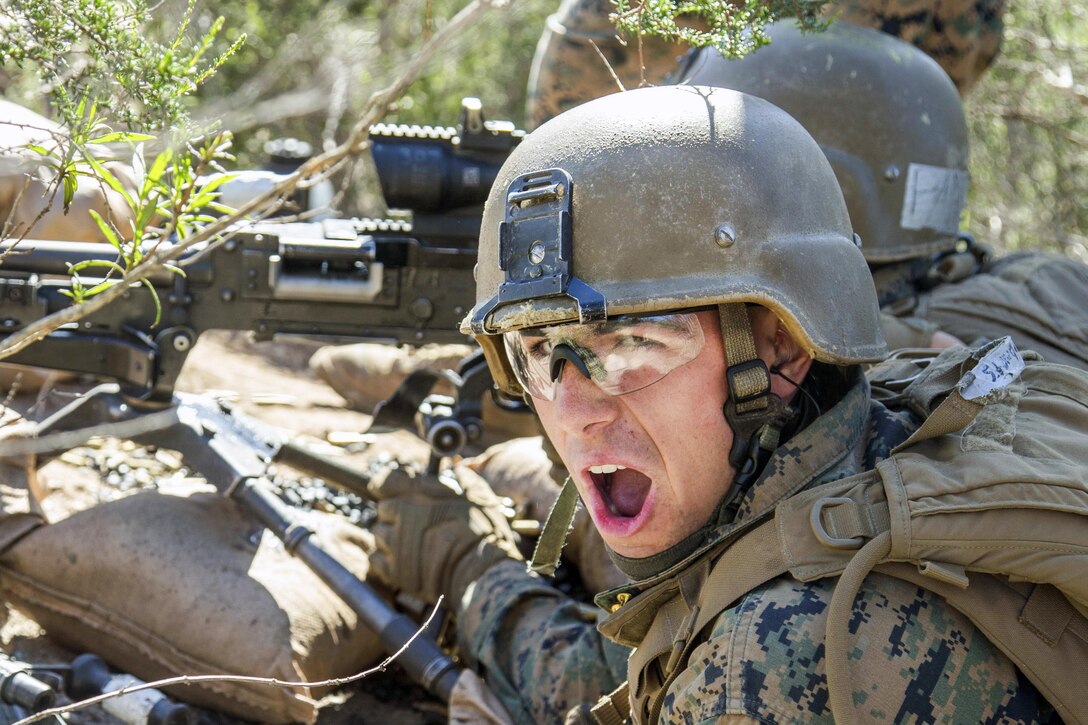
(580, 405)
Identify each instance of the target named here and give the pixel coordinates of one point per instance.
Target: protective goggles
(620, 355)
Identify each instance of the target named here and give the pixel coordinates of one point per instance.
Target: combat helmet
(675, 198)
(886, 115)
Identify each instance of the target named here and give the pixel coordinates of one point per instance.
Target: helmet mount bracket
(536, 250)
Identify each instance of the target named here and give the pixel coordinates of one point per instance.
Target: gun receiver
(338, 278)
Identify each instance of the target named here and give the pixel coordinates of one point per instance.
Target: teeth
(607, 468)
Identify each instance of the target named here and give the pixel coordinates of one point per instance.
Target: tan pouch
(163, 585)
(994, 482)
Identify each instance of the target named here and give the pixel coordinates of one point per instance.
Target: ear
(780, 351)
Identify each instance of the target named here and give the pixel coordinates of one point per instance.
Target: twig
(608, 65)
(269, 681)
(66, 440)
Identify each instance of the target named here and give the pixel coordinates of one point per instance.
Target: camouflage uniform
(762, 658)
(567, 69)
(1038, 299)
(964, 36)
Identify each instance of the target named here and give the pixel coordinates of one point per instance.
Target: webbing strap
(751, 561)
(549, 547)
(750, 384)
(953, 414)
(1047, 613)
(614, 708)
(850, 519)
(837, 635)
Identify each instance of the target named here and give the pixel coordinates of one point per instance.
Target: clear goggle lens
(621, 355)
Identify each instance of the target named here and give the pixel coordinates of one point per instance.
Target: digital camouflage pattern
(964, 36)
(539, 650)
(916, 660)
(763, 659)
(567, 70)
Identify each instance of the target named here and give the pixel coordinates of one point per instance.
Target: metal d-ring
(816, 519)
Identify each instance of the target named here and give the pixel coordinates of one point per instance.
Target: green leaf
(122, 136)
(71, 183)
(216, 181)
(38, 149)
(101, 287)
(143, 216)
(139, 167)
(175, 269)
(101, 172)
(90, 263)
(106, 229)
(158, 167)
(155, 298)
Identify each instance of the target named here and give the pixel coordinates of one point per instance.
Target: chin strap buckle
(753, 412)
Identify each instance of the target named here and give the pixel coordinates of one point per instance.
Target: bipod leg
(423, 659)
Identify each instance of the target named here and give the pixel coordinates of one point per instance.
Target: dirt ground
(269, 381)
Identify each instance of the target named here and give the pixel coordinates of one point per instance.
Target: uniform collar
(831, 448)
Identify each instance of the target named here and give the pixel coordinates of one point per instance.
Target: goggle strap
(549, 547)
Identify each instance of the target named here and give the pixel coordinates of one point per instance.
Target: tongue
(628, 491)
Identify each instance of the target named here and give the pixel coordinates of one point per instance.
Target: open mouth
(622, 489)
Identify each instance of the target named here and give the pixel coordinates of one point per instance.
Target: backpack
(986, 505)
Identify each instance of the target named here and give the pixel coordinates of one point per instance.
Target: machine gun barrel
(392, 281)
(422, 659)
(19, 687)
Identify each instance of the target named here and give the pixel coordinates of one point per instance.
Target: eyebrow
(671, 322)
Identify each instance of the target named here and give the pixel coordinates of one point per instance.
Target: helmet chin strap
(754, 413)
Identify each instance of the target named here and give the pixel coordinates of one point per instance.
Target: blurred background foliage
(308, 66)
(1029, 128)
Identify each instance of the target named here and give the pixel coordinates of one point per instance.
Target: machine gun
(386, 280)
(397, 282)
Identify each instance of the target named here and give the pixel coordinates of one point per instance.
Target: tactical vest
(986, 505)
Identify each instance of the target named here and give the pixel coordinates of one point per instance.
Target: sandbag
(163, 585)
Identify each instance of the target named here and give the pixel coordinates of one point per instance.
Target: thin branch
(245, 679)
(608, 65)
(21, 446)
